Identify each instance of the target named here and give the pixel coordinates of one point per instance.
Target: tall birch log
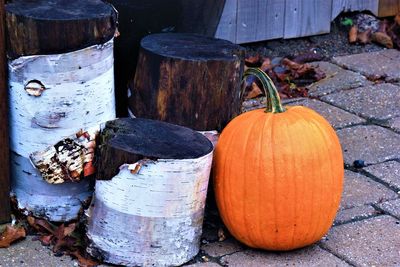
(4, 146)
(57, 102)
(150, 193)
(187, 79)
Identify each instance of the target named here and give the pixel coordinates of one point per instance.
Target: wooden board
(259, 20)
(227, 25)
(307, 17)
(388, 8)
(4, 151)
(339, 6)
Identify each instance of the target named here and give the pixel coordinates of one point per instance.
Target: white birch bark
(52, 97)
(150, 217)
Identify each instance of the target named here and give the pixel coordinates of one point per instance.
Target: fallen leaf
(10, 235)
(83, 261)
(364, 37)
(221, 235)
(383, 39)
(353, 34)
(253, 61)
(307, 57)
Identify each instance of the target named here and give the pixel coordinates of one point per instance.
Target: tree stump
(61, 88)
(188, 80)
(4, 146)
(150, 193)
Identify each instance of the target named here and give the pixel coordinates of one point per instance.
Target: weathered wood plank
(307, 17)
(388, 8)
(227, 25)
(259, 20)
(339, 6)
(4, 148)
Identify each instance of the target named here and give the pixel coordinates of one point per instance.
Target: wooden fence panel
(307, 17)
(353, 5)
(259, 20)
(227, 25)
(388, 7)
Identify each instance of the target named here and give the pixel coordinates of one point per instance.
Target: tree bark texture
(151, 212)
(57, 26)
(188, 80)
(137, 20)
(56, 105)
(4, 146)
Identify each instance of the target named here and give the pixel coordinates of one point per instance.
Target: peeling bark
(73, 93)
(151, 212)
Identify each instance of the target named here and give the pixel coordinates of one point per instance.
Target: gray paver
(204, 264)
(360, 190)
(31, 253)
(389, 172)
(337, 117)
(394, 123)
(392, 207)
(355, 213)
(371, 242)
(373, 102)
(370, 143)
(382, 64)
(336, 79)
(311, 256)
(218, 249)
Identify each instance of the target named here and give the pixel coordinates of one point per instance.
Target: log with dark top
(57, 26)
(188, 80)
(157, 177)
(4, 152)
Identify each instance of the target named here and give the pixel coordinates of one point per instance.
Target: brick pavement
(361, 98)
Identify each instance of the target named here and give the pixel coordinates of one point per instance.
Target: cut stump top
(190, 47)
(155, 139)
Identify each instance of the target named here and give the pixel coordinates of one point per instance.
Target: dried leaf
(221, 235)
(83, 261)
(253, 61)
(10, 235)
(383, 39)
(353, 34)
(46, 240)
(266, 64)
(307, 57)
(364, 37)
(254, 92)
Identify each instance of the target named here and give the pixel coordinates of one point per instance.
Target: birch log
(188, 80)
(150, 193)
(56, 104)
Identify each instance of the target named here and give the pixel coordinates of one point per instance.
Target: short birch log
(150, 193)
(57, 101)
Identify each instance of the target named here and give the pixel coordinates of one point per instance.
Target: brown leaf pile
(63, 239)
(290, 76)
(10, 235)
(387, 35)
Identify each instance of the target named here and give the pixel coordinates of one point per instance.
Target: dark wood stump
(4, 147)
(157, 178)
(57, 26)
(61, 89)
(188, 80)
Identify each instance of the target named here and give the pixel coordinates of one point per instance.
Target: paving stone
(355, 213)
(259, 102)
(336, 79)
(311, 256)
(337, 117)
(31, 253)
(383, 64)
(389, 172)
(394, 123)
(360, 190)
(370, 143)
(218, 249)
(371, 242)
(379, 102)
(392, 207)
(204, 264)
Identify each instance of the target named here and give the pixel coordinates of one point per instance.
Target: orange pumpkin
(278, 174)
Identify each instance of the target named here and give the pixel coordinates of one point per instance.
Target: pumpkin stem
(274, 104)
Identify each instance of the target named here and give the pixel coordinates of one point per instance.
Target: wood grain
(58, 26)
(388, 8)
(339, 6)
(188, 80)
(4, 147)
(259, 20)
(307, 17)
(227, 28)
